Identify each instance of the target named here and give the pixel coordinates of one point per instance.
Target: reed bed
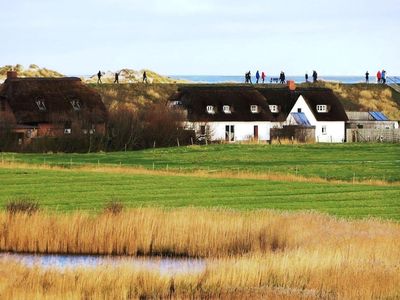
(296, 275)
(260, 254)
(190, 232)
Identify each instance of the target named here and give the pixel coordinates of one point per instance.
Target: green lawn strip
(70, 190)
(332, 161)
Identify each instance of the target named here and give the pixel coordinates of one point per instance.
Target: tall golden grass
(259, 254)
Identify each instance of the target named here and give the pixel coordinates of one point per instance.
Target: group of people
(314, 76)
(381, 77)
(116, 77)
(281, 79)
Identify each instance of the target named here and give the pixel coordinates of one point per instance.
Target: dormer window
(177, 103)
(210, 109)
(322, 108)
(226, 109)
(40, 104)
(76, 104)
(274, 109)
(254, 109)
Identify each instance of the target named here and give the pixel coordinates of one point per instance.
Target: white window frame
(76, 104)
(324, 130)
(210, 109)
(41, 105)
(67, 131)
(322, 108)
(254, 109)
(226, 109)
(274, 108)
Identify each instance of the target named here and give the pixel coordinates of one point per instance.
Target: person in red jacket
(263, 77)
(379, 76)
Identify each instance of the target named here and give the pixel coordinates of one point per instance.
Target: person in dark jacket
(145, 77)
(306, 76)
(282, 77)
(367, 77)
(116, 80)
(315, 76)
(99, 74)
(257, 76)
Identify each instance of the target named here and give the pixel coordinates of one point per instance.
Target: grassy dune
(283, 256)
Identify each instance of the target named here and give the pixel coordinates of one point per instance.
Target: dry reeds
(249, 255)
(186, 232)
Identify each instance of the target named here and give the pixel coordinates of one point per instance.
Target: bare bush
(26, 206)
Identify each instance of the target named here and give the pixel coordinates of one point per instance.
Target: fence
(373, 135)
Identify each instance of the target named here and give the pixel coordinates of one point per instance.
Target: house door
(229, 133)
(256, 132)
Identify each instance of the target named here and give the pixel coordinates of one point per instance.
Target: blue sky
(193, 37)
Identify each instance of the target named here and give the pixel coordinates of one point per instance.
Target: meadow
(270, 221)
(345, 162)
(58, 189)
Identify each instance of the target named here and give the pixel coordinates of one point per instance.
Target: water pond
(165, 266)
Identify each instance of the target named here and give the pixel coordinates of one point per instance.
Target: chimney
(291, 85)
(12, 74)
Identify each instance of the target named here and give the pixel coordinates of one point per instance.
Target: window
(76, 104)
(324, 130)
(299, 110)
(202, 129)
(230, 133)
(322, 108)
(210, 109)
(226, 109)
(40, 104)
(254, 109)
(274, 108)
(67, 131)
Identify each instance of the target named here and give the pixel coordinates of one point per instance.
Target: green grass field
(67, 190)
(333, 161)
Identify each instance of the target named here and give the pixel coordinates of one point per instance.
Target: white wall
(335, 130)
(243, 130)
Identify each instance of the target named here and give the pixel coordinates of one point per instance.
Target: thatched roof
(40, 100)
(286, 99)
(239, 98)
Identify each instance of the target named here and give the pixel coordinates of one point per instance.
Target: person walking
(263, 77)
(379, 76)
(116, 80)
(257, 76)
(249, 77)
(367, 77)
(383, 76)
(99, 74)
(306, 76)
(315, 76)
(145, 77)
(282, 77)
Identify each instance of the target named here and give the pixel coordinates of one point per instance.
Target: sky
(203, 37)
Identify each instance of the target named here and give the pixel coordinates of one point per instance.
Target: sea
(240, 79)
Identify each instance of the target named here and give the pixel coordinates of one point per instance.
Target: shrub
(27, 206)
(114, 207)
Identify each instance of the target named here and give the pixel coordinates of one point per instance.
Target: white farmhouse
(317, 108)
(225, 113)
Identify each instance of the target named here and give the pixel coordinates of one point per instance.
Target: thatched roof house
(52, 105)
(229, 103)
